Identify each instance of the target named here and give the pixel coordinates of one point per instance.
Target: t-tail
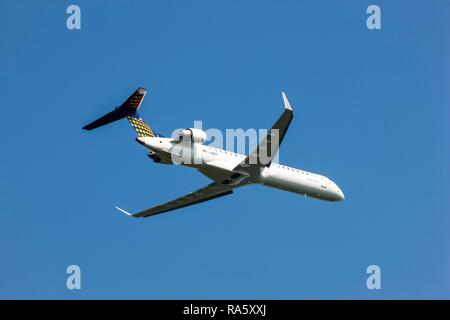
(129, 109)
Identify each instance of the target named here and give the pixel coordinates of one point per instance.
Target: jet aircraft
(227, 170)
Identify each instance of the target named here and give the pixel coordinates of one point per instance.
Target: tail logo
(142, 129)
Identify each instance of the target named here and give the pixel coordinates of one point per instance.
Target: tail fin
(142, 128)
(128, 109)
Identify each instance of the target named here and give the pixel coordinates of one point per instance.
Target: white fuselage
(277, 176)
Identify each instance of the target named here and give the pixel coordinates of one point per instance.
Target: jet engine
(157, 159)
(193, 135)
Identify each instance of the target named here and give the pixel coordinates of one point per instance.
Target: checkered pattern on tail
(142, 129)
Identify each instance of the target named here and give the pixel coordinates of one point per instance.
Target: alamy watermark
(262, 145)
(374, 279)
(73, 21)
(73, 281)
(373, 22)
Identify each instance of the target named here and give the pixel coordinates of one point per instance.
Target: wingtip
(123, 211)
(287, 105)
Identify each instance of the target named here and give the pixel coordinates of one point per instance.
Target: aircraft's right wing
(266, 150)
(211, 191)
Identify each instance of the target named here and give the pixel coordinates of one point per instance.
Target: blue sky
(371, 113)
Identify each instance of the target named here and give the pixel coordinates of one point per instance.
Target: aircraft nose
(340, 194)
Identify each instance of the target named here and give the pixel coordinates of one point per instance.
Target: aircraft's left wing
(211, 191)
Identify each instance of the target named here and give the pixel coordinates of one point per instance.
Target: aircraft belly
(290, 181)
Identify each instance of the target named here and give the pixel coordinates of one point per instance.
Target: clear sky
(371, 113)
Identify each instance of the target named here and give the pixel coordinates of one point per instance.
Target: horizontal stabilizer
(128, 108)
(114, 115)
(123, 211)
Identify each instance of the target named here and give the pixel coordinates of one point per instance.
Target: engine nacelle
(192, 134)
(157, 159)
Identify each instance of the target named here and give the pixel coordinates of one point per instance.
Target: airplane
(227, 170)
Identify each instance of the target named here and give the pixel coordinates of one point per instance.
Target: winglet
(123, 211)
(287, 105)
